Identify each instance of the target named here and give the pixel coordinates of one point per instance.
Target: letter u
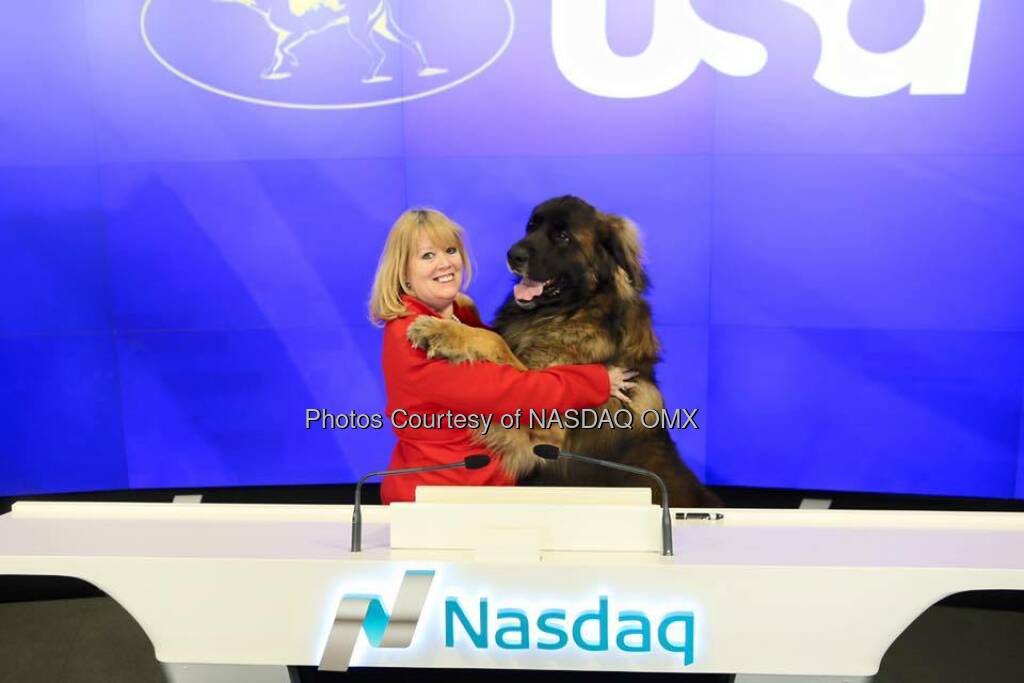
(680, 40)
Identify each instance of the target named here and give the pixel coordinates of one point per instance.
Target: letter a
(936, 61)
(679, 42)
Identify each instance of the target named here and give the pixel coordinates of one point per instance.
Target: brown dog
(579, 300)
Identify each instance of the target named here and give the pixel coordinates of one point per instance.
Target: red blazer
(420, 385)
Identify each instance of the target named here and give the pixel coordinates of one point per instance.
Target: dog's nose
(518, 256)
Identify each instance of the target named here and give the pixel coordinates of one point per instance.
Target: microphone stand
(553, 452)
(357, 512)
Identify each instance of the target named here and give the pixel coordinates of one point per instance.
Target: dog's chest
(543, 343)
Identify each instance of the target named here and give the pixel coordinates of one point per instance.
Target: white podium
(522, 523)
(772, 595)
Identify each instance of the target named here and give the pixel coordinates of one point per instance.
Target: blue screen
(194, 195)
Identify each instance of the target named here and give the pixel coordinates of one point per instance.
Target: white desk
(787, 593)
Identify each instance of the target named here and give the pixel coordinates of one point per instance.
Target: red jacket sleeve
(487, 387)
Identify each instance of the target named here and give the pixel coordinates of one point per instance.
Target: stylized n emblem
(357, 611)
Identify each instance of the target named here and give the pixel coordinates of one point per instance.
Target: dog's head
(572, 251)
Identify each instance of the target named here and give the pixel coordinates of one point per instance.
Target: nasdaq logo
(363, 612)
(326, 54)
(556, 628)
(935, 61)
(600, 624)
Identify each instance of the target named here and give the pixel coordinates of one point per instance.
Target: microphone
(549, 452)
(472, 462)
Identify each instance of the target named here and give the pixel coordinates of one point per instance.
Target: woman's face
(435, 274)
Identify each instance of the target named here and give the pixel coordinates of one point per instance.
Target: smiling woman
(435, 272)
(424, 257)
(421, 272)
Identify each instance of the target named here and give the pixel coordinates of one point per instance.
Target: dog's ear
(621, 240)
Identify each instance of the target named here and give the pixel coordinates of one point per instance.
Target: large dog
(580, 300)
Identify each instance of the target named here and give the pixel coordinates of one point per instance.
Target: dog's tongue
(527, 289)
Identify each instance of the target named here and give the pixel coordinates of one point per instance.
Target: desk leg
(228, 673)
(761, 678)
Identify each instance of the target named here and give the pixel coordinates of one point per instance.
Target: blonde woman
(422, 271)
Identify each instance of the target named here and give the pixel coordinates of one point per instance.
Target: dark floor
(93, 640)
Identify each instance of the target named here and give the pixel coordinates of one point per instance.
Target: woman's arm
(500, 389)
(489, 387)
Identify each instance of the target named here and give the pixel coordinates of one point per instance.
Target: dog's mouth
(529, 292)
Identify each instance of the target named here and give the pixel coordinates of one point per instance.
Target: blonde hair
(389, 281)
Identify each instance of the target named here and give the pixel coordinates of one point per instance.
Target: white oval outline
(352, 105)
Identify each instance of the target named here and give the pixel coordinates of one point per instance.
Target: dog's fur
(592, 310)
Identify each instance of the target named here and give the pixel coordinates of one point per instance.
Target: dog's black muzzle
(518, 258)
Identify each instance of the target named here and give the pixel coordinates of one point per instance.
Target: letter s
(545, 625)
(680, 40)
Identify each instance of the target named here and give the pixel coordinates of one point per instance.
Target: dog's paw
(460, 343)
(439, 338)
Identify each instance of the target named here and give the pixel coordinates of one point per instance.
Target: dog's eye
(564, 237)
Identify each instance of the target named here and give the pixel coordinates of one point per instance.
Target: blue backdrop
(194, 194)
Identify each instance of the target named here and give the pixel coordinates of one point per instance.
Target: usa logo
(326, 54)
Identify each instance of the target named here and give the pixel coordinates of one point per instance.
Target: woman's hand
(619, 379)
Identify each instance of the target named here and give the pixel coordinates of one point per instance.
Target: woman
(421, 272)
